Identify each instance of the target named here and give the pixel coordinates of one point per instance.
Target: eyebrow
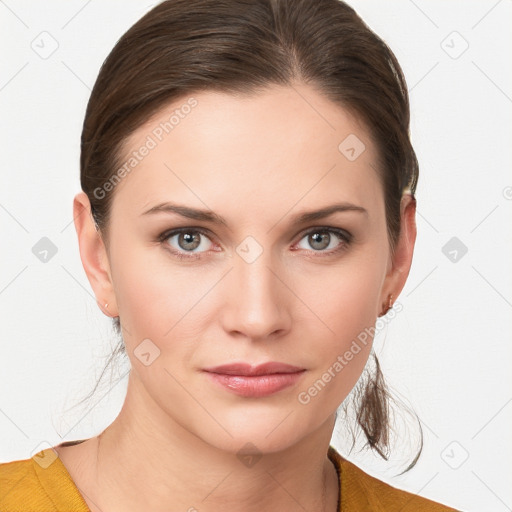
(214, 218)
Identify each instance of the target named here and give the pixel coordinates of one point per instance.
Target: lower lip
(256, 386)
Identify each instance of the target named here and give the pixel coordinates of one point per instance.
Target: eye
(187, 243)
(322, 240)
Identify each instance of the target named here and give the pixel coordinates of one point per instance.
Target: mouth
(255, 381)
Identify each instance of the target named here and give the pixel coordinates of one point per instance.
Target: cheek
(345, 298)
(163, 301)
(155, 302)
(346, 307)
(150, 294)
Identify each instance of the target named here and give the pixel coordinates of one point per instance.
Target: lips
(257, 381)
(247, 370)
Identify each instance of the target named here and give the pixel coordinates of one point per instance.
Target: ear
(94, 255)
(400, 262)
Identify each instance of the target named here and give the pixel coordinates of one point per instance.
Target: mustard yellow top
(42, 484)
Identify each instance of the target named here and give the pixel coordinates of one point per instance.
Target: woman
(247, 213)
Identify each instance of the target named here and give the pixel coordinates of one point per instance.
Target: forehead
(277, 147)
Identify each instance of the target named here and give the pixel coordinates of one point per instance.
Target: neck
(148, 461)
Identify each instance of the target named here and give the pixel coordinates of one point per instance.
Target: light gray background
(447, 353)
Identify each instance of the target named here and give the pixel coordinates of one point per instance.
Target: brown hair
(181, 47)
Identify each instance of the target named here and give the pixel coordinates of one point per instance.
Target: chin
(262, 430)
(252, 443)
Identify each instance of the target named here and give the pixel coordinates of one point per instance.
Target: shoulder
(40, 483)
(18, 483)
(363, 492)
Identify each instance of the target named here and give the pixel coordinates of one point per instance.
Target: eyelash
(345, 236)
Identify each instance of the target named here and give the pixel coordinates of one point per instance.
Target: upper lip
(247, 369)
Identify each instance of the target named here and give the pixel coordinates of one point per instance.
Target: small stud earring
(390, 304)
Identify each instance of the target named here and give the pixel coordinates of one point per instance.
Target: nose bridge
(256, 301)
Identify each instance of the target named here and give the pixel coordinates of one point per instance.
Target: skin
(257, 161)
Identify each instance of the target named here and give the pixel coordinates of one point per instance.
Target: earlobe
(389, 305)
(402, 257)
(93, 255)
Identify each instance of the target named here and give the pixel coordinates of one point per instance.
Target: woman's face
(260, 286)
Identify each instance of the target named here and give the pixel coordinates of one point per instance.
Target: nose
(257, 305)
